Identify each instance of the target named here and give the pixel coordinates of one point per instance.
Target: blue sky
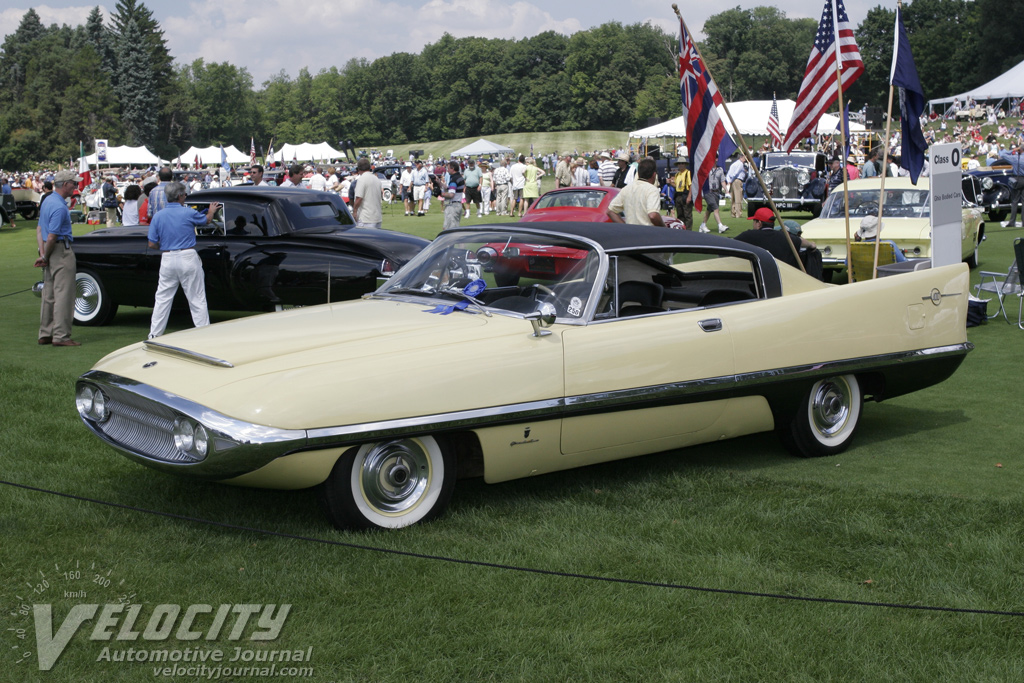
(267, 36)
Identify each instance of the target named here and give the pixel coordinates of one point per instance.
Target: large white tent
(307, 151)
(210, 156)
(1009, 84)
(482, 147)
(125, 156)
(751, 118)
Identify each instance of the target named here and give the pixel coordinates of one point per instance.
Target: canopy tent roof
(482, 146)
(751, 118)
(126, 156)
(1009, 84)
(307, 151)
(210, 156)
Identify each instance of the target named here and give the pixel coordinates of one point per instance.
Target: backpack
(715, 179)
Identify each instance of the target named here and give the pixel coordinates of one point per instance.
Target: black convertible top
(264, 192)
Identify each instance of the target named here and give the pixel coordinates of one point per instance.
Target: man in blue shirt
(1016, 161)
(158, 195)
(173, 231)
(57, 312)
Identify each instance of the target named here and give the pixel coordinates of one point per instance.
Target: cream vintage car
(654, 339)
(906, 220)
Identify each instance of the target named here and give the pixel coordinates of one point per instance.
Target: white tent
(307, 151)
(751, 118)
(210, 156)
(126, 156)
(482, 146)
(1010, 84)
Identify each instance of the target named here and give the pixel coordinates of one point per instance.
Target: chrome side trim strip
(185, 353)
(570, 405)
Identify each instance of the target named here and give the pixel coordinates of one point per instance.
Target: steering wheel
(868, 209)
(539, 287)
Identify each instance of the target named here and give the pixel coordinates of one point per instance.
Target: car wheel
(815, 209)
(387, 196)
(389, 484)
(503, 278)
(997, 215)
(30, 214)
(827, 417)
(93, 306)
(752, 208)
(973, 259)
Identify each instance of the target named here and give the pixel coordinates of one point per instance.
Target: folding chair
(862, 259)
(1005, 284)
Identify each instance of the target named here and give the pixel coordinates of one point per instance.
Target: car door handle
(711, 325)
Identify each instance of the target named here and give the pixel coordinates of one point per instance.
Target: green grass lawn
(585, 141)
(923, 509)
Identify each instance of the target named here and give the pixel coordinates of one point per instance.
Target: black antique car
(266, 247)
(995, 189)
(796, 182)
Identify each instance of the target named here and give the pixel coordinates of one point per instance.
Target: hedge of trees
(118, 80)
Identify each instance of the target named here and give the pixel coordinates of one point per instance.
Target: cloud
(266, 37)
(10, 19)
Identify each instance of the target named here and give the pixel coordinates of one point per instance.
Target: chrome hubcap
(394, 475)
(830, 406)
(87, 298)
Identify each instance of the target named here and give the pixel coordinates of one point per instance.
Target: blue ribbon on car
(473, 289)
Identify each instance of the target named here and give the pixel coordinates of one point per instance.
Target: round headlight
(83, 399)
(986, 183)
(803, 177)
(486, 254)
(202, 441)
(184, 434)
(99, 406)
(768, 177)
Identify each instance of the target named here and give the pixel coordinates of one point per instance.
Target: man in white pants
(173, 231)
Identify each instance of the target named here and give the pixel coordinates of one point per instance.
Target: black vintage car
(796, 182)
(995, 189)
(266, 247)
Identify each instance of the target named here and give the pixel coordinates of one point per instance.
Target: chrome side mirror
(543, 317)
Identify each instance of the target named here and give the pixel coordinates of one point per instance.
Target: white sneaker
(704, 228)
(1005, 224)
(479, 215)
(722, 228)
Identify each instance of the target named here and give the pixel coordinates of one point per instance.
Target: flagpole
(746, 151)
(842, 130)
(885, 153)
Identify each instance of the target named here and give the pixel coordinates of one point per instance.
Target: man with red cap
(765, 235)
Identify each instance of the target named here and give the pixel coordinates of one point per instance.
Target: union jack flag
(820, 87)
(773, 124)
(704, 128)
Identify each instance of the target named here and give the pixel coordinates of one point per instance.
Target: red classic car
(581, 204)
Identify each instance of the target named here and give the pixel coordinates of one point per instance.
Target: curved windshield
(899, 203)
(506, 271)
(571, 199)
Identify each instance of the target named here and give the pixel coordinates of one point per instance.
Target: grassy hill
(543, 143)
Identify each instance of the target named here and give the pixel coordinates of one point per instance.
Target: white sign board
(946, 204)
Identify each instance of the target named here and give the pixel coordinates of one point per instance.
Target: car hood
(896, 229)
(348, 363)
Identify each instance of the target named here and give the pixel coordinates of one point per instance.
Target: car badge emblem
(149, 364)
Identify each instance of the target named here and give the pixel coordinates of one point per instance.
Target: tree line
(118, 80)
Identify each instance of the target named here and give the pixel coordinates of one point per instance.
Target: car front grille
(142, 426)
(785, 184)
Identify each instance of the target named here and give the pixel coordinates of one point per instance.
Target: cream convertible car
(651, 339)
(906, 220)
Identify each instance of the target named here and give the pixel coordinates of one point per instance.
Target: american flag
(252, 151)
(819, 88)
(704, 128)
(773, 124)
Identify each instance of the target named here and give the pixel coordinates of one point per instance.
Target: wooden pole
(747, 155)
(842, 130)
(881, 191)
